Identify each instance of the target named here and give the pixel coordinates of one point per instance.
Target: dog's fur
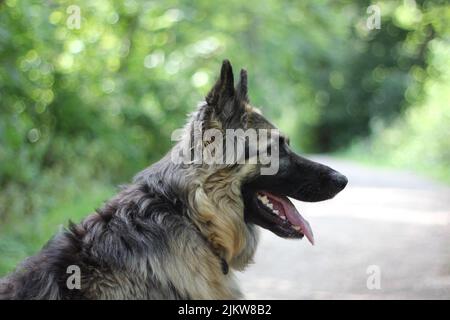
(178, 231)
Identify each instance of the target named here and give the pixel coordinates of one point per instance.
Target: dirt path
(394, 221)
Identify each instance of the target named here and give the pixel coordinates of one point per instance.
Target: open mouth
(282, 212)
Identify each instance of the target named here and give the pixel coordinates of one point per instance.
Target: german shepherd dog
(180, 230)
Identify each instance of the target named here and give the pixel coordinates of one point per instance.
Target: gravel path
(387, 221)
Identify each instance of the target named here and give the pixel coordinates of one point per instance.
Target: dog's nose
(339, 180)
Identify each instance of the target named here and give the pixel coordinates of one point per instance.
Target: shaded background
(82, 110)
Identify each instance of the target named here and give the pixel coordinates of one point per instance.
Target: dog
(182, 228)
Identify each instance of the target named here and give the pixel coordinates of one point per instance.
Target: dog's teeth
(296, 228)
(263, 199)
(283, 217)
(276, 212)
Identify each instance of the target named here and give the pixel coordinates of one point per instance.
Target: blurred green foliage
(84, 109)
(419, 139)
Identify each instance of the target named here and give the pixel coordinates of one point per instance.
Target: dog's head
(265, 196)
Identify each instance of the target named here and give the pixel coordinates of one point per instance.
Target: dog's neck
(217, 210)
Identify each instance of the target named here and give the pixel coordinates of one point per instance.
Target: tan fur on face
(250, 109)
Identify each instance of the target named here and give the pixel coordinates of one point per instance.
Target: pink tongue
(294, 216)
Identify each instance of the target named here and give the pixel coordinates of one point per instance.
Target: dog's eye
(285, 140)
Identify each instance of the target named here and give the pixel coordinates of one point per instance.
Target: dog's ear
(227, 102)
(241, 88)
(223, 90)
